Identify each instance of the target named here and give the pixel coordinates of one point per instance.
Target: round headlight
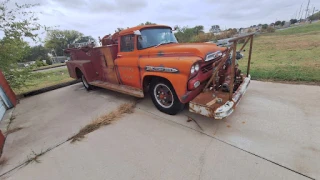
(197, 67)
(192, 70)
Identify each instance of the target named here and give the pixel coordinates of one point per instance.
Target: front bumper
(191, 94)
(207, 105)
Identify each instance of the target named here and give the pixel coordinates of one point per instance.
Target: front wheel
(165, 98)
(85, 83)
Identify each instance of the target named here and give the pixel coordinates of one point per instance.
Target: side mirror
(137, 32)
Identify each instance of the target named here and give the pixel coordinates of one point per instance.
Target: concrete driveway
(273, 134)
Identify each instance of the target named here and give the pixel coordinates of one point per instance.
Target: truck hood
(185, 49)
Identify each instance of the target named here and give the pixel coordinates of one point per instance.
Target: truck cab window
(127, 43)
(155, 36)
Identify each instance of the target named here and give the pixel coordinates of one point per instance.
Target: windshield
(155, 37)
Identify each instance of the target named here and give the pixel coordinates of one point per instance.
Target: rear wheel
(85, 83)
(165, 98)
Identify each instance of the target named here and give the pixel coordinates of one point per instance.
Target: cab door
(108, 55)
(128, 61)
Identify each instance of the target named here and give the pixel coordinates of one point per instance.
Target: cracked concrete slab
(271, 135)
(141, 146)
(279, 122)
(51, 118)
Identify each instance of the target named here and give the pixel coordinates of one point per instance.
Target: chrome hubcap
(163, 95)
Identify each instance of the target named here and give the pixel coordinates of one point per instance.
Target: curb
(46, 89)
(35, 70)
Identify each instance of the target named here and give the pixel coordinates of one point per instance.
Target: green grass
(40, 80)
(307, 28)
(288, 55)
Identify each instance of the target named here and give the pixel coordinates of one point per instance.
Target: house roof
(130, 30)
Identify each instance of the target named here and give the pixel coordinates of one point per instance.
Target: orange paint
(131, 64)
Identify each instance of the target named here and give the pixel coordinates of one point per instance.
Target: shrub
(203, 37)
(292, 21)
(264, 26)
(49, 61)
(250, 30)
(270, 30)
(224, 35)
(40, 63)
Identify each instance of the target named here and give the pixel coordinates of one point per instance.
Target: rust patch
(228, 126)
(119, 88)
(208, 102)
(243, 122)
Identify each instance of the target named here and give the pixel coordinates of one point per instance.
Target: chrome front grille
(206, 68)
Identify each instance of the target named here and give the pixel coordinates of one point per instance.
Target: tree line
(15, 49)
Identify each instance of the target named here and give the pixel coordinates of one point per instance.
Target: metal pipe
(249, 58)
(241, 37)
(217, 69)
(233, 62)
(245, 43)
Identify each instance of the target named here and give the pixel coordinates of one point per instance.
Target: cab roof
(130, 30)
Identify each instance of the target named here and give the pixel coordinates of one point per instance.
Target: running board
(119, 88)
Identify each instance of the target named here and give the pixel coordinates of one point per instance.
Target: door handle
(119, 55)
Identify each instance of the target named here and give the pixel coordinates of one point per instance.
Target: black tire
(168, 102)
(85, 82)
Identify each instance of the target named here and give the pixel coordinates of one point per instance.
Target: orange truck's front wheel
(164, 97)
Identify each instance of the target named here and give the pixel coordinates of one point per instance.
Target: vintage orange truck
(149, 59)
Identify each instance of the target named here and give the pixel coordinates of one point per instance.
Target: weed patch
(104, 120)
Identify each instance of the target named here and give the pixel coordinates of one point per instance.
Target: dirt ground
(273, 134)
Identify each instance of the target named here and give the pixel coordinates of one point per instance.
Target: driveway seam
(26, 162)
(273, 162)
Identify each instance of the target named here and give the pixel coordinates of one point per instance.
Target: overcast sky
(100, 17)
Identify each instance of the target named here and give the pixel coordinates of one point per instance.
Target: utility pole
(307, 10)
(300, 12)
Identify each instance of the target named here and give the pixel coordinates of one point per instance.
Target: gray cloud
(175, 18)
(253, 9)
(98, 6)
(100, 17)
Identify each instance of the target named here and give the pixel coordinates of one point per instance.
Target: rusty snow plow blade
(227, 84)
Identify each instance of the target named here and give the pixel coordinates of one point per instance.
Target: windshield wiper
(165, 43)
